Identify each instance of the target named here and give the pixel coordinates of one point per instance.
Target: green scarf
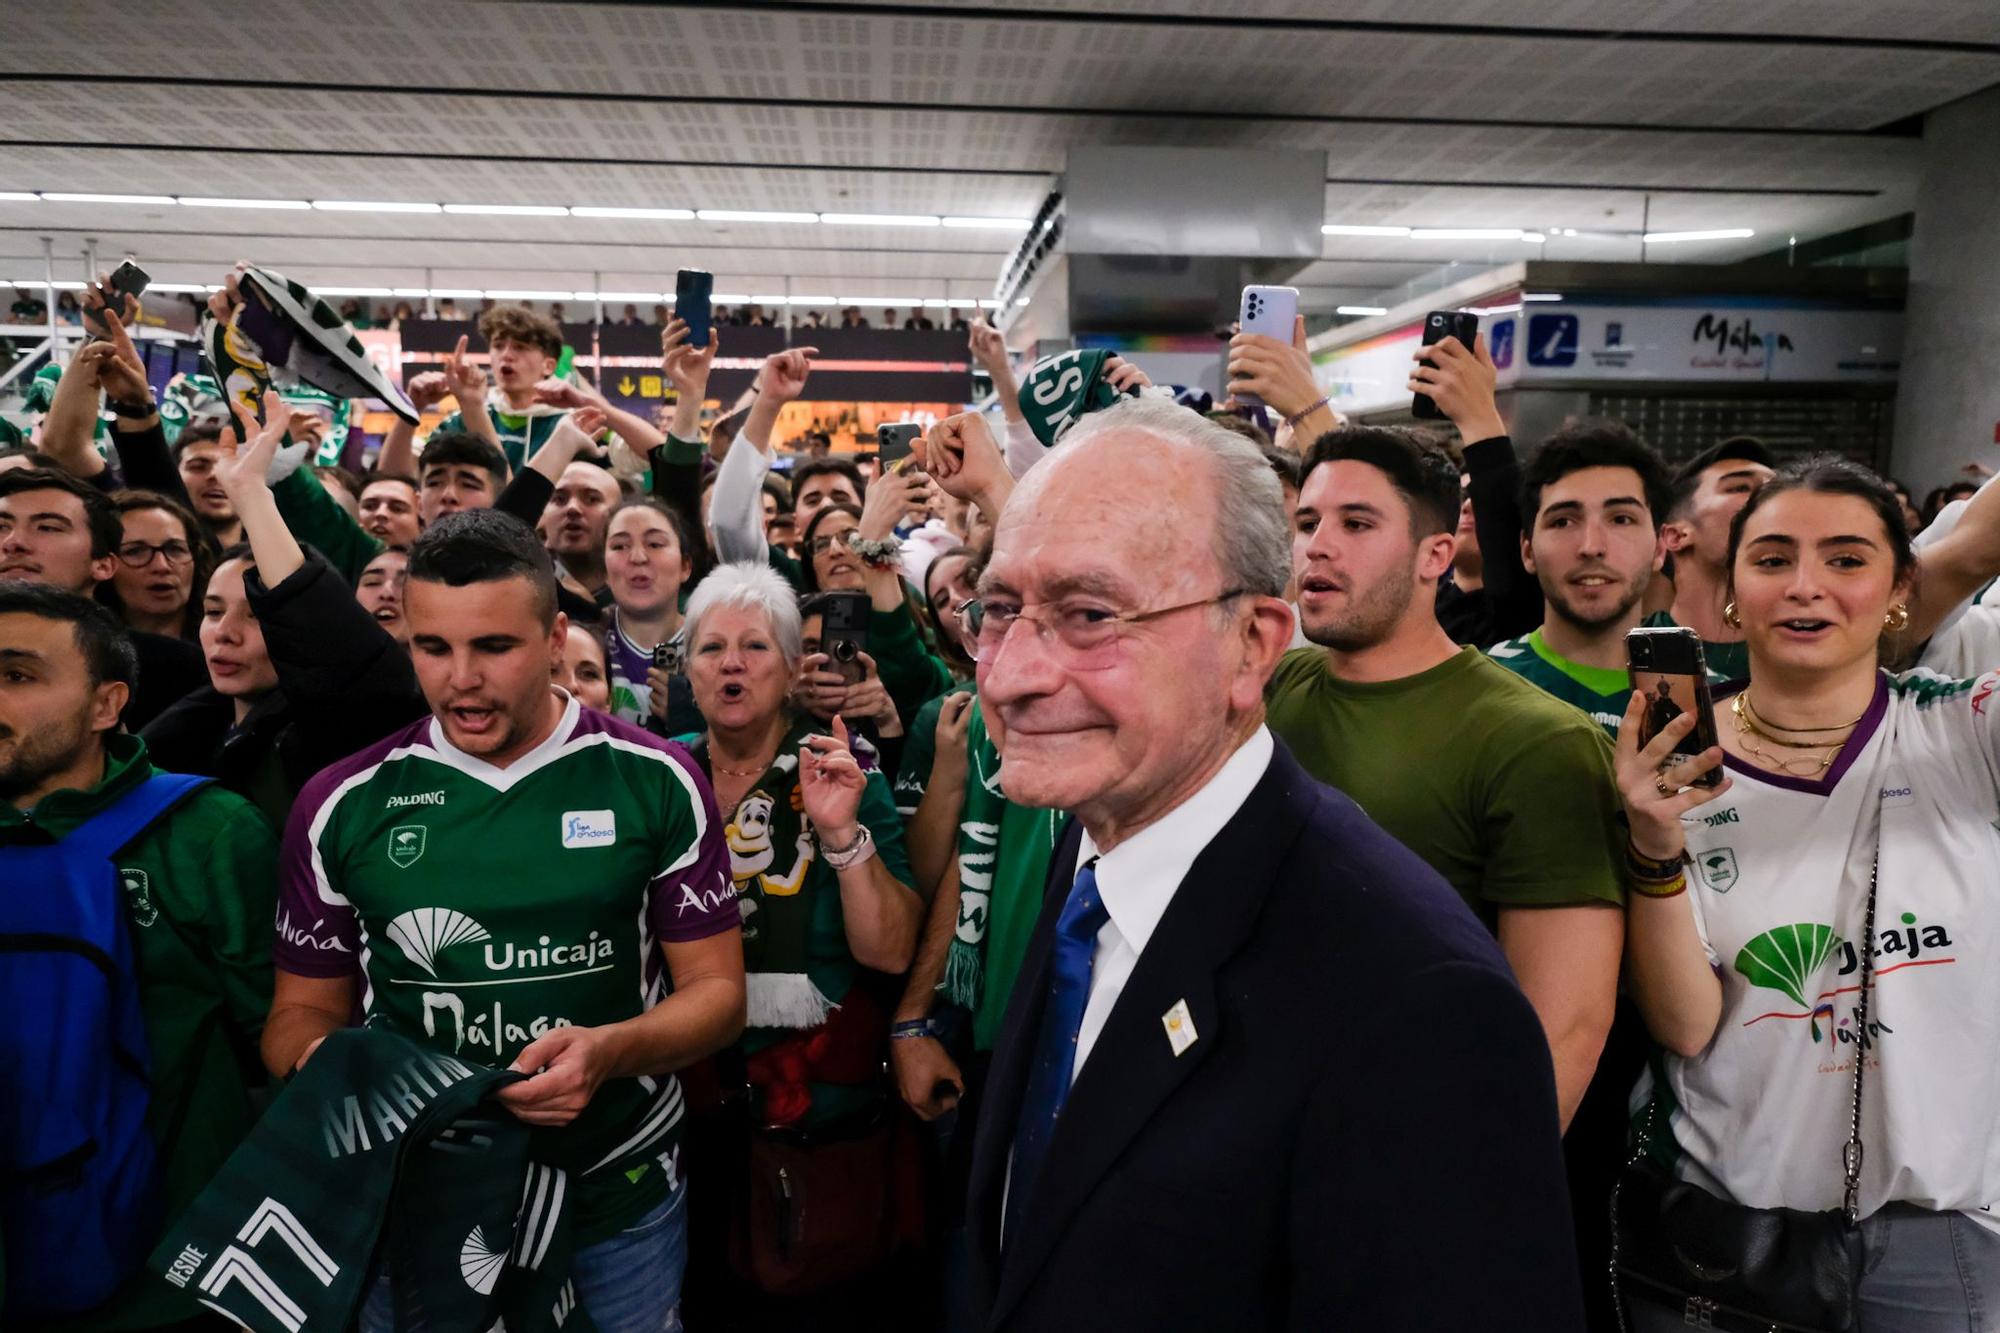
(999, 896)
(1060, 390)
(382, 1151)
(794, 950)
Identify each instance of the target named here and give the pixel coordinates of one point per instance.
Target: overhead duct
(1160, 240)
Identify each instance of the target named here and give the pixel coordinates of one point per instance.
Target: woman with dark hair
(837, 556)
(164, 561)
(648, 562)
(1809, 936)
(584, 671)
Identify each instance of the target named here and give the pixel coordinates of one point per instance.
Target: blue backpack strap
(123, 820)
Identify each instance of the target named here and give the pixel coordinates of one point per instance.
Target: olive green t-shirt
(1506, 791)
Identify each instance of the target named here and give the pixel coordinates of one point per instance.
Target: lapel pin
(1180, 1027)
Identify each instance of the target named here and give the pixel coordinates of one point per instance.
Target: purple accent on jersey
(316, 938)
(627, 663)
(699, 899)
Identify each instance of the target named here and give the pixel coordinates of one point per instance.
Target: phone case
(1439, 325)
(1270, 311)
(693, 294)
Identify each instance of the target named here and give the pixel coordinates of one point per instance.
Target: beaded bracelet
(1672, 888)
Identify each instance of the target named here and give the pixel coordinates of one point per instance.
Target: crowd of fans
(686, 756)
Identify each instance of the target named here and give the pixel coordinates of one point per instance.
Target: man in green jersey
(197, 882)
(1507, 793)
(1592, 500)
(514, 881)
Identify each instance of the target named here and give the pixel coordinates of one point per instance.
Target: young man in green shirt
(199, 884)
(1506, 792)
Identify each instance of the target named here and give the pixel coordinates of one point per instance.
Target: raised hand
(783, 376)
(831, 783)
(245, 471)
(962, 457)
(892, 495)
(989, 349)
(463, 379)
(1280, 376)
(686, 366)
(427, 390)
(1123, 376)
(1460, 381)
(1657, 793)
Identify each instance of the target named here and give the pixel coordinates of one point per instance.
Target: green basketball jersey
(1599, 692)
(482, 907)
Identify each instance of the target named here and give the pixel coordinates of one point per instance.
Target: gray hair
(1252, 542)
(745, 586)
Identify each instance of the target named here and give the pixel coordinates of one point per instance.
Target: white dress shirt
(1137, 878)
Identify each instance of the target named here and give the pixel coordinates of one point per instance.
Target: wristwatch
(841, 858)
(917, 1027)
(139, 409)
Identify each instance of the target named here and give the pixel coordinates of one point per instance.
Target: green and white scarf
(1004, 852)
(1059, 391)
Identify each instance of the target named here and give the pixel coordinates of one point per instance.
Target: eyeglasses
(1087, 635)
(140, 554)
(821, 545)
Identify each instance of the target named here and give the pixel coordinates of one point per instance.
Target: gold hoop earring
(1897, 619)
(1731, 616)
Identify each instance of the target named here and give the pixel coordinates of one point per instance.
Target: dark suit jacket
(1363, 1135)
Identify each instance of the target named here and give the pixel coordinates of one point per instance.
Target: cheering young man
(513, 880)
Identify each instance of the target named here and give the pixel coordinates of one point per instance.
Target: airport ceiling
(1587, 122)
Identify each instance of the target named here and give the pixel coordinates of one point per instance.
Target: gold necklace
(1806, 767)
(757, 772)
(1766, 727)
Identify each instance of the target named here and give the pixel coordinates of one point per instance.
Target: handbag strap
(1851, 1155)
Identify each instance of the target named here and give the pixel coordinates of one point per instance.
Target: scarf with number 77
(380, 1146)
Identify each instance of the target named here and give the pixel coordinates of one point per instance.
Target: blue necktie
(1070, 959)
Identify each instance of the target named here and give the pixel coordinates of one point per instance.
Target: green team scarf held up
(998, 897)
(382, 1152)
(794, 952)
(1059, 391)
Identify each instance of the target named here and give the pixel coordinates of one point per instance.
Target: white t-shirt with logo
(1779, 886)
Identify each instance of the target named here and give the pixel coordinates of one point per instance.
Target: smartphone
(843, 633)
(692, 289)
(668, 655)
(1439, 325)
(892, 445)
(1667, 667)
(1270, 311)
(127, 279)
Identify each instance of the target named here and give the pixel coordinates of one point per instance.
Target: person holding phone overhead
(1809, 936)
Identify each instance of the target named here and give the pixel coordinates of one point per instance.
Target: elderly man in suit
(1261, 1067)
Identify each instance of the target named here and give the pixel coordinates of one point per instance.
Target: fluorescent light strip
(384, 206)
(536, 296)
(63, 197)
(1346, 229)
(1543, 296)
(752, 215)
(1721, 234)
(455, 294)
(1534, 238)
(38, 282)
(1360, 310)
(18, 197)
(880, 220)
(244, 203)
(182, 288)
(352, 291)
(991, 224)
(725, 298)
(664, 214)
(509, 210)
(1466, 234)
(890, 302)
(632, 298)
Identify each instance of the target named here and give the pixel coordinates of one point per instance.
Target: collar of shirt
(1137, 878)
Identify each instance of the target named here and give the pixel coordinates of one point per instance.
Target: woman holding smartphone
(646, 564)
(1757, 951)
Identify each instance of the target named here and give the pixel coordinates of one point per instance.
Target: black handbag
(1746, 1270)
